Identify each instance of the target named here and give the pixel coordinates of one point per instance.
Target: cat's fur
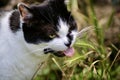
(29, 33)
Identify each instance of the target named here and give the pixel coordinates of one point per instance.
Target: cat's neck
(22, 58)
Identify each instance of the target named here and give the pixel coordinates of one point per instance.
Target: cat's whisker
(32, 52)
(36, 51)
(83, 31)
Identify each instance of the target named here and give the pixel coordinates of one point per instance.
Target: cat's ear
(24, 11)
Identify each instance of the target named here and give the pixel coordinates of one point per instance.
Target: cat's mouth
(68, 52)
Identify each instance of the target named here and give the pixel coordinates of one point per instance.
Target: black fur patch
(14, 21)
(36, 33)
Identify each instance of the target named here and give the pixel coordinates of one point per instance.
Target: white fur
(18, 59)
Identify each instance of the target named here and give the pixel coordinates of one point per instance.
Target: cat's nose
(68, 44)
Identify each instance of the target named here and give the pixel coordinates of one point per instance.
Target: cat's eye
(52, 36)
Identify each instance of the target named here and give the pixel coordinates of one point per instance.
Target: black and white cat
(29, 33)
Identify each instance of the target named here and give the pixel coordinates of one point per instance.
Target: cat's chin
(68, 52)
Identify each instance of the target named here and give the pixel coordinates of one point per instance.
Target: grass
(92, 58)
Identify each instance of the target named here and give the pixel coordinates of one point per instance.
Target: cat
(30, 34)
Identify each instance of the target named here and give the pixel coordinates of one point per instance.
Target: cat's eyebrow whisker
(83, 31)
(69, 17)
(49, 20)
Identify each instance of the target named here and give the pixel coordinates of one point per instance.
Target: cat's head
(49, 23)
